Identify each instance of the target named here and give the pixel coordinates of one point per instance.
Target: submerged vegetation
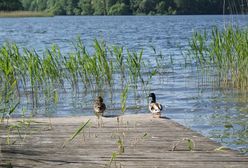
(224, 52)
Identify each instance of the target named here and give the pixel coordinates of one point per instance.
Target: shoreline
(23, 14)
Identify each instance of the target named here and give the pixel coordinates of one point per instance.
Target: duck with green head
(155, 107)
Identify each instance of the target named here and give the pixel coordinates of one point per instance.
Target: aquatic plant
(134, 62)
(33, 65)
(52, 66)
(9, 82)
(84, 62)
(105, 66)
(124, 95)
(71, 66)
(119, 56)
(225, 52)
(40, 76)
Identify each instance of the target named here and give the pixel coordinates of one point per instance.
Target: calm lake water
(220, 114)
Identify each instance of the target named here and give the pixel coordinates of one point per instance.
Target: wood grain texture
(147, 142)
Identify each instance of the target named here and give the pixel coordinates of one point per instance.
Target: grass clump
(224, 51)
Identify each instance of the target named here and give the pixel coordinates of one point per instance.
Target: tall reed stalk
(134, 61)
(224, 51)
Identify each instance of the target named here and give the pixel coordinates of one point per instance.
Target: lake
(196, 102)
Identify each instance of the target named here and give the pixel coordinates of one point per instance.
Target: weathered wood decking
(147, 143)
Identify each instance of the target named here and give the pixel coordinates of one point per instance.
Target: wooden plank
(147, 143)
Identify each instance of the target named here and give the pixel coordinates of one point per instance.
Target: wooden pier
(123, 142)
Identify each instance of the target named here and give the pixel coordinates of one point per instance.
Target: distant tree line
(127, 7)
(10, 5)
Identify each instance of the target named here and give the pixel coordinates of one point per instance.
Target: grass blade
(83, 125)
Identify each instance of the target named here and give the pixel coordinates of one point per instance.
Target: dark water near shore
(221, 114)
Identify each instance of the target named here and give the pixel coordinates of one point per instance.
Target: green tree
(185, 7)
(110, 3)
(166, 7)
(7, 5)
(134, 5)
(71, 7)
(119, 9)
(126, 7)
(99, 7)
(59, 7)
(86, 7)
(26, 4)
(38, 5)
(147, 6)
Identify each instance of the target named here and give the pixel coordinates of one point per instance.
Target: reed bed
(224, 52)
(40, 76)
(24, 14)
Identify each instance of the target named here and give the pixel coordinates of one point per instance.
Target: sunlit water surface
(221, 114)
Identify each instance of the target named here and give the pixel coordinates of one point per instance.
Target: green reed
(9, 85)
(105, 65)
(34, 66)
(40, 75)
(224, 51)
(84, 62)
(71, 67)
(52, 66)
(117, 52)
(134, 61)
(124, 95)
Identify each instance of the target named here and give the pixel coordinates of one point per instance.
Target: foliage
(166, 7)
(127, 7)
(119, 9)
(86, 7)
(226, 51)
(13, 5)
(99, 7)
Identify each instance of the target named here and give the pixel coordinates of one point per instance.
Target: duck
(99, 108)
(155, 107)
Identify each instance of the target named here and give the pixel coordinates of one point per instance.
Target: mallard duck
(99, 106)
(154, 107)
